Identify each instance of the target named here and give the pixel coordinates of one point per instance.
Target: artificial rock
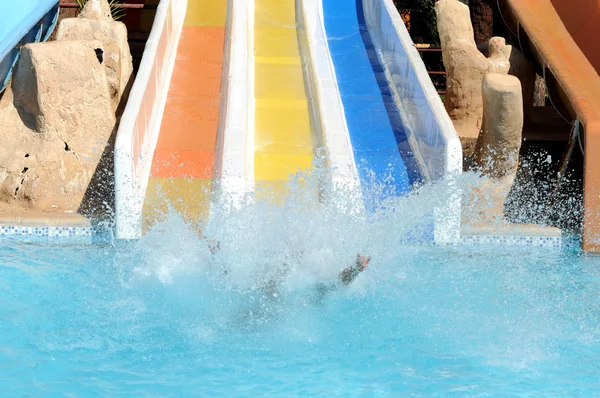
(56, 121)
(95, 23)
(497, 151)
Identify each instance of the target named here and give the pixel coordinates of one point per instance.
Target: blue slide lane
(23, 22)
(378, 136)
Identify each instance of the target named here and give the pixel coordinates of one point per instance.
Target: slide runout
(384, 159)
(183, 162)
(284, 141)
(562, 36)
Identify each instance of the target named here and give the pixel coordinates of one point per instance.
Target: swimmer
(213, 245)
(348, 275)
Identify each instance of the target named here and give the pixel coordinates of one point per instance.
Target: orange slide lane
(565, 34)
(182, 168)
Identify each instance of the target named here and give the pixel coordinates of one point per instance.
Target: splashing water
(164, 316)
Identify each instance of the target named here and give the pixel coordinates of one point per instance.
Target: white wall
(430, 131)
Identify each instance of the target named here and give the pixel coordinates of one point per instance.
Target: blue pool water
(160, 317)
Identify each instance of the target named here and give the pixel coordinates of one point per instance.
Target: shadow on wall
(98, 202)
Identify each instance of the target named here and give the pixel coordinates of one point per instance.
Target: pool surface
(162, 317)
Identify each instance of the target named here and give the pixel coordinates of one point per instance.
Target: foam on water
(164, 317)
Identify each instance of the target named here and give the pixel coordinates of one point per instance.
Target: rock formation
(466, 66)
(525, 72)
(95, 23)
(96, 10)
(453, 22)
(58, 117)
(539, 91)
(497, 151)
(487, 100)
(61, 96)
(498, 61)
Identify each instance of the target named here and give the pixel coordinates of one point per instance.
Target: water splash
(166, 314)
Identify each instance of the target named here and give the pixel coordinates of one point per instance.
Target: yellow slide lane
(284, 141)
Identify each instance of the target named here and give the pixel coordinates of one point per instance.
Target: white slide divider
(327, 111)
(234, 165)
(251, 104)
(430, 131)
(140, 123)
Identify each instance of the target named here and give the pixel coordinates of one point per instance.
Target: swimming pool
(159, 317)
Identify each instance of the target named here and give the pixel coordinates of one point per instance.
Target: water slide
(23, 22)
(182, 166)
(563, 37)
(237, 97)
(375, 125)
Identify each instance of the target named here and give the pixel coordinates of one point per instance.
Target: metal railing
(436, 48)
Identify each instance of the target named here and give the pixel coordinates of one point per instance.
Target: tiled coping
(78, 233)
(30, 225)
(76, 228)
(511, 235)
(512, 240)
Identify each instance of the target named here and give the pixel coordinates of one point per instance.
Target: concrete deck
(34, 218)
(509, 229)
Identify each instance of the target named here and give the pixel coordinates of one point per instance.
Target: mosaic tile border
(46, 232)
(512, 240)
(89, 233)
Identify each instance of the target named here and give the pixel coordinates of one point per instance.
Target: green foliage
(116, 8)
(422, 21)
